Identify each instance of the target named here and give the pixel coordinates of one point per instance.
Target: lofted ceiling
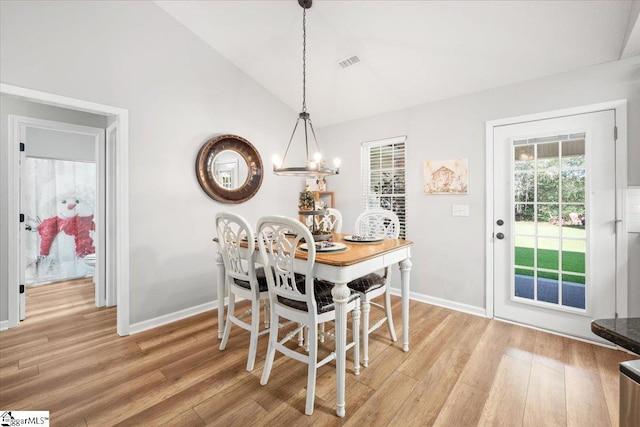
(410, 52)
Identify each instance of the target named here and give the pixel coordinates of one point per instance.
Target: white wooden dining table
(340, 268)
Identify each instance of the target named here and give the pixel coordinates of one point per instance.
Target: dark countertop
(624, 332)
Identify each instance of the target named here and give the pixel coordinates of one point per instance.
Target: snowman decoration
(69, 236)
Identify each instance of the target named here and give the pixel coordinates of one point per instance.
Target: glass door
(554, 225)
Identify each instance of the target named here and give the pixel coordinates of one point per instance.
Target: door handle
(500, 236)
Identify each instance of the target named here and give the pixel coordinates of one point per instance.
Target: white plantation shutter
(383, 177)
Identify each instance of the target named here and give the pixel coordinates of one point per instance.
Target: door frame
(16, 125)
(111, 138)
(121, 197)
(620, 112)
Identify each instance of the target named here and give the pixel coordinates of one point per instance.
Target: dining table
(357, 259)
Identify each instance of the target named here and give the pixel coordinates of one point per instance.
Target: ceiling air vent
(349, 61)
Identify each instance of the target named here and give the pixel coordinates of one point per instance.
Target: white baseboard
(171, 317)
(213, 305)
(4, 325)
(453, 305)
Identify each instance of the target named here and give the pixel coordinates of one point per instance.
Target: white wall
(179, 93)
(449, 253)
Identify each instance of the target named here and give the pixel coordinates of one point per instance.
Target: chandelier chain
(304, 60)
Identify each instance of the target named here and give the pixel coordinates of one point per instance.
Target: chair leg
(387, 310)
(366, 307)
(322, 332)
(271, 349)
(305, 332)
(312, 339)
(356, 338)
(255, 328)
(230, 313)
(267, 306)
(300, 336)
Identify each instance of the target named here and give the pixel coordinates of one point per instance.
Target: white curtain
(58, 200)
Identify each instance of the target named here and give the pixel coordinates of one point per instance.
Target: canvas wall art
(446, 176)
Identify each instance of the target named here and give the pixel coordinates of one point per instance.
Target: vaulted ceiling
(410, 52)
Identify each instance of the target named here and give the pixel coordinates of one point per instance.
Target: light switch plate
(460, 210)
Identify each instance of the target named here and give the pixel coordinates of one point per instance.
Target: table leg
(221, 292)
(405, 269)
(340, 293)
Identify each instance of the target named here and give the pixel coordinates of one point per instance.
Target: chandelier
(315, 165)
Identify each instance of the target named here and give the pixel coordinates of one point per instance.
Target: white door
(555, 222)
(59, 141)
(100, 221)
(22, 265)
(109, 259)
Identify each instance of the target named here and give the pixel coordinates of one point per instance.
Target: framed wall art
(446, 176)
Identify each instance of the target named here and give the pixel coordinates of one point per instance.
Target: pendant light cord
(304, 60)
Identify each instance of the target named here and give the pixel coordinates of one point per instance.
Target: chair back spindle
(332, 221)
(278, 239)
(232, 231)
(378, 223)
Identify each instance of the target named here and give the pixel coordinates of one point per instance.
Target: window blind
(383, 177)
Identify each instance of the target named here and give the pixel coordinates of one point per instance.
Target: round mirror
(229, 169)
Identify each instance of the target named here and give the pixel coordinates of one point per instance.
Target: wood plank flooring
(462, 370)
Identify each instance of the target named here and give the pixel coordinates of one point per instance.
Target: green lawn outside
(573, 254)
(545, 229)
(572, 262)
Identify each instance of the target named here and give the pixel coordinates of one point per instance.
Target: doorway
(554, 221)
(62, 197)
(118, 241)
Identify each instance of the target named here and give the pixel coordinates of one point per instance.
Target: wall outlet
(460, 210)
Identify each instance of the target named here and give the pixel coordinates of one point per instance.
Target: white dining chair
(332, 221)
(243, 279)
(299, 298)
(375, 223)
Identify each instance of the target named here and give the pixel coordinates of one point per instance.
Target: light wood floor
(462, 370)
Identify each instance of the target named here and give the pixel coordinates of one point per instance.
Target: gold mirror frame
(207, 179)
